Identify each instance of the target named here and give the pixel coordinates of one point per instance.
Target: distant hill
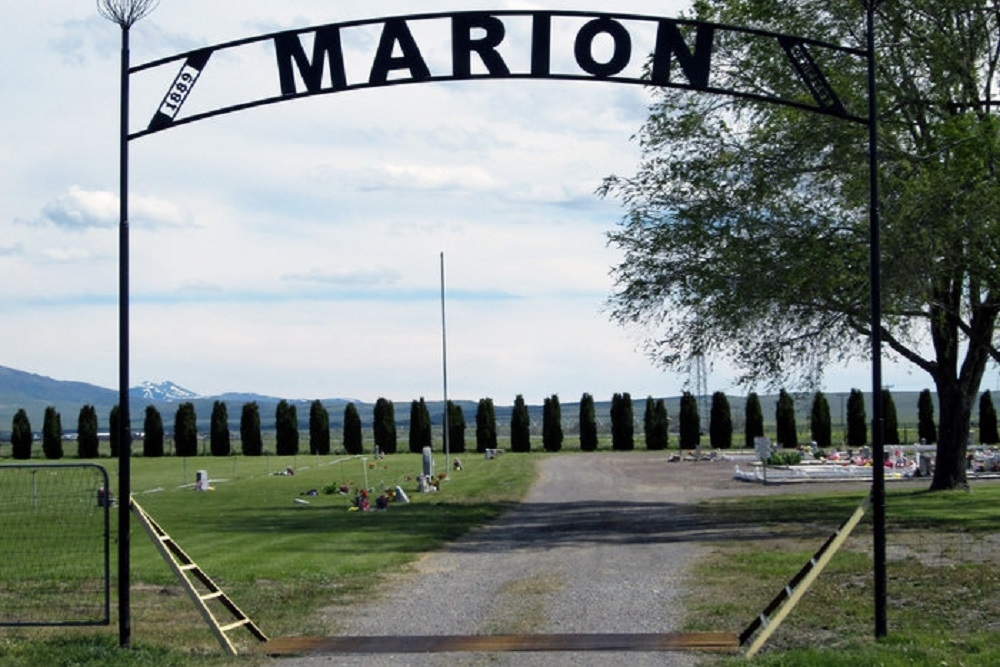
(33, 393)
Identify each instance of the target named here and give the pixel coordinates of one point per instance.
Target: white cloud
(11, 250)
(155, 213)
(81, 209)
(424, 177)
(350, 277)
(67, 255)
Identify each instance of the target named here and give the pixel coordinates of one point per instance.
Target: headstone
(428, 462)
(201, 480)
(762, 446)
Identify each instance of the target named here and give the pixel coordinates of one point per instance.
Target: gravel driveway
(602, 544)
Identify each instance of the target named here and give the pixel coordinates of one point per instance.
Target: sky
(295, 249)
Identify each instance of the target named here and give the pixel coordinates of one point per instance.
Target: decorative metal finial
(125, 12)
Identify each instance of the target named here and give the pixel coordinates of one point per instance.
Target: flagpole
(444, 372)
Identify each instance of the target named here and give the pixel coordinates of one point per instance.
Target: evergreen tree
(486, 425)
(251, 442)
(218, 437)
(657, 425)
(21, 437)
(286, 426)
(152, 426)
(753, 420)
(857, 426)
(420, 426)
(414, 435)
(622, 423)
(353, 440)
(689, 423)
(186, 430)
(319, 429)
(426, 429)
(588, 424)
(384, 426)
(926, 429)
(784, 416)
(552, 430)
(87, 442)
(987, 420)
(52, 434)
(456, 429)
(820, 427)
(890, 431)
(647, 419)
(616, 408)
(520, 427)
(114, 427)
(663, 421)
(720, 424)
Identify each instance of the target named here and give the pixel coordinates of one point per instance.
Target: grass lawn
(284, 562)
(279, 560)
(943, 596)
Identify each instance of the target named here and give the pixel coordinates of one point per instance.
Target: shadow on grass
(538, 526)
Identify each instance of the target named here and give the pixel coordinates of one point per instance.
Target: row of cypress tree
(655, 423)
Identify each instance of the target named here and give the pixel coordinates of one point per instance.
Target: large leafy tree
(748, 222)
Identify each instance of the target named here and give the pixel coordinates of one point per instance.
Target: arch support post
(124, 418)
(875, 271)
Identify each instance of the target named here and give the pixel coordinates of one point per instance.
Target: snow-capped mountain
(162, 391)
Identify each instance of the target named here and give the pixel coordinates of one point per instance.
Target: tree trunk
(953, 437)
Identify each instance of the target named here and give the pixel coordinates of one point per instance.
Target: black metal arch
(479, 34)
(681, 57)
